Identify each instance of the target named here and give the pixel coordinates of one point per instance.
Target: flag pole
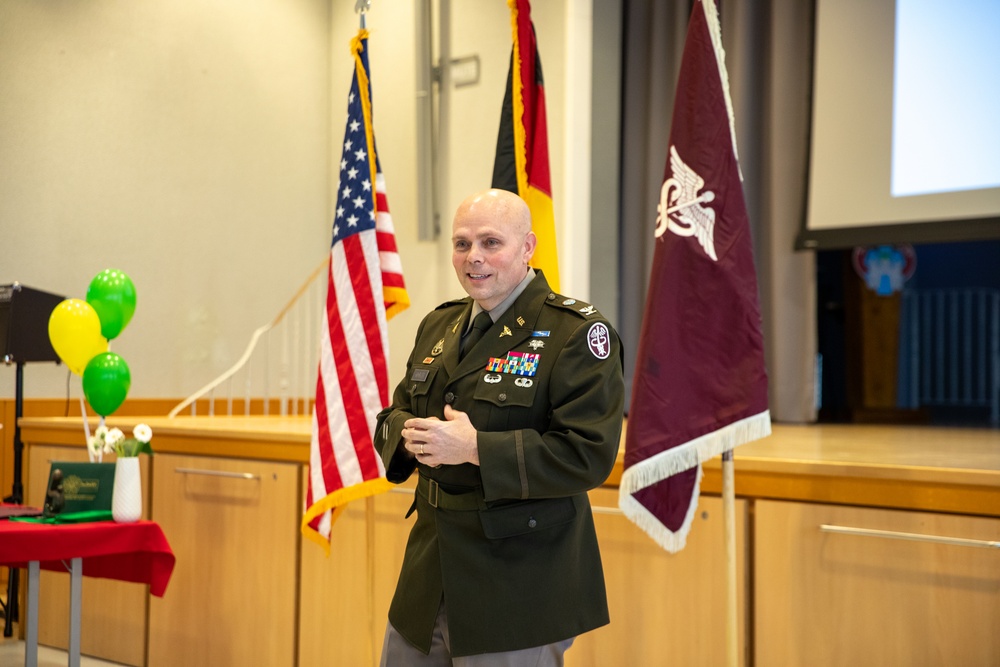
(361, 7)
(729, 519)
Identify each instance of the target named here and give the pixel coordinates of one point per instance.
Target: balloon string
(100, 452)
(86, 429)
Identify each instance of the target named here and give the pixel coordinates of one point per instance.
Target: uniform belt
(437, 497)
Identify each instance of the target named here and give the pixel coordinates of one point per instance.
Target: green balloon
(106, 381)
(112, 295)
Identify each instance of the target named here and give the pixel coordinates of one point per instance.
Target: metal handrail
(260, 331)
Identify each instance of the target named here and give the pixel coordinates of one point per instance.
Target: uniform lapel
(452, 340)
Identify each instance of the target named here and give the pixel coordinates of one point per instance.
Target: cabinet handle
(217, 473)
(916, 537)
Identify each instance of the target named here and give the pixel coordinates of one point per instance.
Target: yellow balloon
(75, 333)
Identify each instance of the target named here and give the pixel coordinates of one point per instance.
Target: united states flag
(365, 288)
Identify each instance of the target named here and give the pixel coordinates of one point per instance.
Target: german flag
(522, 158)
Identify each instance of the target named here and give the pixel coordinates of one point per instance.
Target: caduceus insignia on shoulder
(680, 209)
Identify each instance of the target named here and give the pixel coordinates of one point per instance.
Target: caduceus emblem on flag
(689, 217)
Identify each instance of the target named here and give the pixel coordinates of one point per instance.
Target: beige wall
(190, 145)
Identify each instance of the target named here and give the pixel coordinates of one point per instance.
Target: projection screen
(905, 143)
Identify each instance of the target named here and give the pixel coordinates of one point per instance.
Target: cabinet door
(666, 609)
(392, 530)
(335, 592)
(826, 598)
(345, 597)
(233, 527)
(112, 613)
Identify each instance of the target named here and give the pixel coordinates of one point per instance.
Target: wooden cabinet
(233, 526)
(248, 590)
(113, 613)
(345, 597)
(826, 598)
(335, 594)
(666, 609)
(679, 599)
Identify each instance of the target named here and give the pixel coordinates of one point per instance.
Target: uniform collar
(504, 305)
(518, 323)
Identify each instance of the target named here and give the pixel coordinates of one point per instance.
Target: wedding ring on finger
(421, 449)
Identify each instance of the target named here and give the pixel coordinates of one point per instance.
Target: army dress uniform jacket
(509, 544)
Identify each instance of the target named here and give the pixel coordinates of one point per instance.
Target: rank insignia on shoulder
(589, 310)
(438, 348)
(541, 334)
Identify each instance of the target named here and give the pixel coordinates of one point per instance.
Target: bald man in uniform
(510, 411)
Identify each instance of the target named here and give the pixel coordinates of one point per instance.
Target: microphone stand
(11, 609)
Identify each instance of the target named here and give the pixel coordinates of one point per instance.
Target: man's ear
(530, 242)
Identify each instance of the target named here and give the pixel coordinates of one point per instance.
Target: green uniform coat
(509, 544)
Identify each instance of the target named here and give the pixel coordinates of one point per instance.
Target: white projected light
(946, 97)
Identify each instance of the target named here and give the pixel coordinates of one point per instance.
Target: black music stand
(24, 337)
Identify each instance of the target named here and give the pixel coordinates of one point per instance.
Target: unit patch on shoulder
(599, 340)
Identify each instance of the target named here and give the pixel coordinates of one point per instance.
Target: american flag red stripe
(394, 293)
(365, 288)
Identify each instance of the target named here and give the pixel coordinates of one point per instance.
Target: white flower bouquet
(113, 441)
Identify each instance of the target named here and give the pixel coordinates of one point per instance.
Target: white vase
(126, 499)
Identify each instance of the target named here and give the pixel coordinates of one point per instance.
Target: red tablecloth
(136, 552)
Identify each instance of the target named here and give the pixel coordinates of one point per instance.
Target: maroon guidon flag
(700, 385)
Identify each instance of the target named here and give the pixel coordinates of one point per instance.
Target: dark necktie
(479, 327)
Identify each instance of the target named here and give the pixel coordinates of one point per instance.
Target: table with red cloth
(136, 552)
